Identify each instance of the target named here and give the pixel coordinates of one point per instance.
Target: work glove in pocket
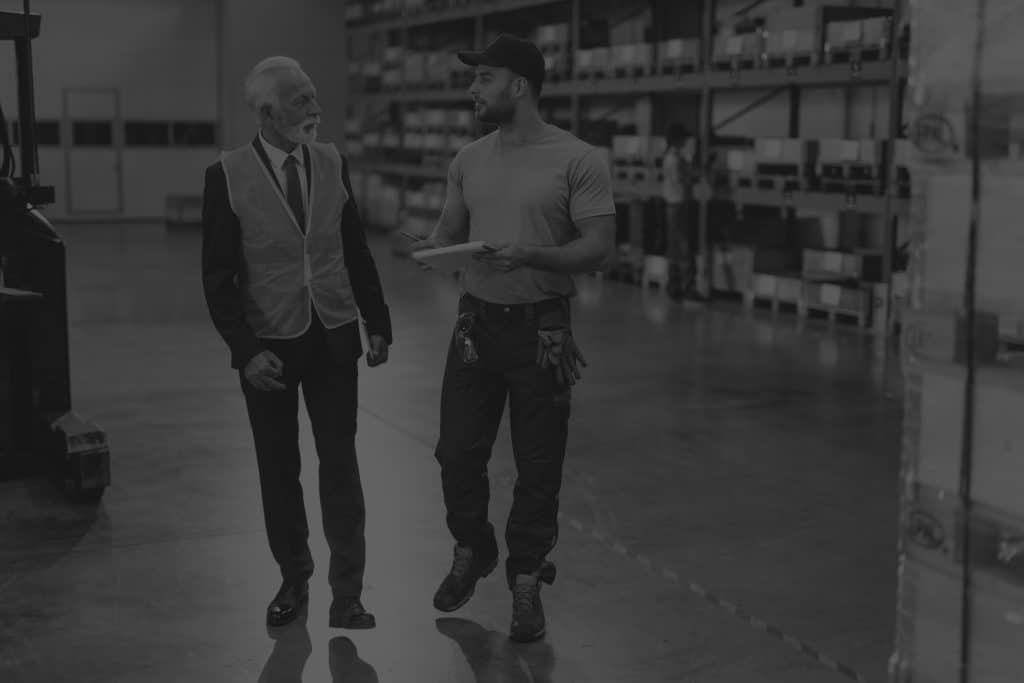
(556, 349)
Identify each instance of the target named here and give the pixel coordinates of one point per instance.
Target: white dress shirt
(277, 158)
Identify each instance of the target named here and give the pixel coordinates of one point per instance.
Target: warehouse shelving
(873, 73)
(703, 82)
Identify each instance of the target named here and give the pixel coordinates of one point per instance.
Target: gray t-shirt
(531, 194)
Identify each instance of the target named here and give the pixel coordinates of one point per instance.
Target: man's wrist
(531, 256)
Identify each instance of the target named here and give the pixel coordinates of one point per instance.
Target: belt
(526, 312)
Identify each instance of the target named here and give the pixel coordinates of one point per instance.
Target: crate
(734, 266)
(592, 63)
(820, 264)
(677, 56)
(837, 302)
(790, 47)
(734, 52)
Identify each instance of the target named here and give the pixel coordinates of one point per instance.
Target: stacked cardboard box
(948, 529)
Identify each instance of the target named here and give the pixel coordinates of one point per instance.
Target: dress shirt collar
(278, 156)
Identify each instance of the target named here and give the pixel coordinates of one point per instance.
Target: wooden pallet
(752, 301)
(849, 170)
(834, 315)
(743, 63)
(592, 73)
(677, 68)
(789, 60)
(871, 188)
(857, 55)
(781, 183)
(630, 72)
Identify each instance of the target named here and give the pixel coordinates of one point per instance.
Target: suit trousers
(324, 363)
(473, 398)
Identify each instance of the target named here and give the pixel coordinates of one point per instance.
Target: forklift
(40, 435)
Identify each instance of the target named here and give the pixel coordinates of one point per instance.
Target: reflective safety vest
(285, 272)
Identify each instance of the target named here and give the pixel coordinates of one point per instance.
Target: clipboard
(451, 258)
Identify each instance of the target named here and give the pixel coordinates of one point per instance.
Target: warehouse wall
(312, 33)
(169, 60)
(160, 55)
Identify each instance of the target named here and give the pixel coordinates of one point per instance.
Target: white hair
(261, 85)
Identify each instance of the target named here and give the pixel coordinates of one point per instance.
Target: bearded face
(297, 118)
(493, 93)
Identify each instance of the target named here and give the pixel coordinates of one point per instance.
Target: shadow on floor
(292, 648)
(39, 527)
(496, 659)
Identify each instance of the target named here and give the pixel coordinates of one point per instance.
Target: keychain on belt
(463, 329)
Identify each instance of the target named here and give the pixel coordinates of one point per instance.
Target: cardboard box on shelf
(733, 266)
(677, 53)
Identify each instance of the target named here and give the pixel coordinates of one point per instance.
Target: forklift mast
(39, 432)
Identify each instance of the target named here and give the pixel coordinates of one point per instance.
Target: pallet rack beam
(427, 18)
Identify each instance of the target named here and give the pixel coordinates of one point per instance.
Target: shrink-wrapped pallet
(949, 622)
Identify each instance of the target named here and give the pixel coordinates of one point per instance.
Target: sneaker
(457, 588)
(528, 622)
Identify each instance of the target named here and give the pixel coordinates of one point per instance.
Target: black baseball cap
(515, 54)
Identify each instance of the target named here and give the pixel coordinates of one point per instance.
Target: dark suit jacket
(222, 263)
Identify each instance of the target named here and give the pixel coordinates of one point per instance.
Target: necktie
(291, 171)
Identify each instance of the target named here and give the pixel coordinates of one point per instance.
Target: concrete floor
(715, 451)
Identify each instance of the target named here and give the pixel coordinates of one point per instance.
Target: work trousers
(683, 243)
(473, 400)
(324, 363)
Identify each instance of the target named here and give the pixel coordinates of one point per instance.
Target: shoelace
(461, 564)
(522, 597)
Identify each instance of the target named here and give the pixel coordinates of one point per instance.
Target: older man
(287, 272)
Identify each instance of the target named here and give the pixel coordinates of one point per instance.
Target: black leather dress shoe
(350, 614)
(286, 604)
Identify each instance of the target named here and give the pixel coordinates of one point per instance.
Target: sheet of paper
(451, 258)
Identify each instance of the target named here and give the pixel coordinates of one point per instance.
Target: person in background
(678, 179)
(542, 199)
(286, 273)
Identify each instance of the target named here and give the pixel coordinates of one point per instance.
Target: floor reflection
(346, 666)
(494, 658)
(292, 647)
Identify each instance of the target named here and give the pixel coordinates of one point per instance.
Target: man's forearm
(444, 234)
(583, 255)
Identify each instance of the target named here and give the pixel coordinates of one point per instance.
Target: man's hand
(264, 372)
(420, 246)
(378, 354)
(423, 244)
(504, 257)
